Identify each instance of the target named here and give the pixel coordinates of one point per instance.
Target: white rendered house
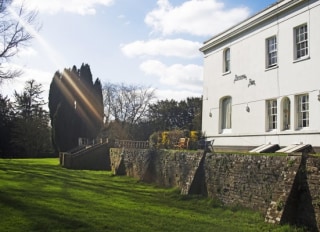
(262, 79)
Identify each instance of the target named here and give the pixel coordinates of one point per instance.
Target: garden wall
(92, 158)
(167, 168)
(283, 188)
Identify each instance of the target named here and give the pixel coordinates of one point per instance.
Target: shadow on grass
(45, 197)
(40, 217)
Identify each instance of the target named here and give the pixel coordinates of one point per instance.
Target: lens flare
(53, 56)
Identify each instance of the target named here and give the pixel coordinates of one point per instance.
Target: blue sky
(140, 42)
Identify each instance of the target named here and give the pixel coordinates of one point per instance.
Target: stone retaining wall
(283, 188)
(165, 168)
(248, 180)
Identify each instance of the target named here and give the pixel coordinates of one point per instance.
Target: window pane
(227, 60)
(303, 111)
(272, 114)
(301, 41)
(226, 113)
(272, 51)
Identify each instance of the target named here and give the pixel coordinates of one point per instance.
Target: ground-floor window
(272, 114)
(226, 113)
(303, 110)
(286, 114)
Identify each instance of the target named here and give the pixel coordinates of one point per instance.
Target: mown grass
(39, 195)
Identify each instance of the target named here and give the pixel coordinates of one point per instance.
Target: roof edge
(261, 16)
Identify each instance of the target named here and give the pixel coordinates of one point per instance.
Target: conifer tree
(76, 107)
(31, 132)
(6, 121)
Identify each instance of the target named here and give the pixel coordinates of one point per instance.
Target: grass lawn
(39, 195)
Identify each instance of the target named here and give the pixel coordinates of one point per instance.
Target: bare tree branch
(9, 74)
(14, 34)
(126, 103)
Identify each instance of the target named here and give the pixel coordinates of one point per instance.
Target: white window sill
(301, 59)
(302, 128)
(226, 73)
(226, 131)
(271, 67)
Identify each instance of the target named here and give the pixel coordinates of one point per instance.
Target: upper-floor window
(272, 51)
(301, 41)
(226, 60)
(272, 114)
(303, 110)
(226, 113)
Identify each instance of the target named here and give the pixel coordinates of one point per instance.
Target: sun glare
(79, 89)
(75, 92)
(53, 56)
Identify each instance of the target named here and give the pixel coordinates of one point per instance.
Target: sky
(150, 43)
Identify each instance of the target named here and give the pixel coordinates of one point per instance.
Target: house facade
(262, 79)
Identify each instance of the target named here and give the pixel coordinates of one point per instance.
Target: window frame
(301, 42)
(271, 53)
(272, 114)
(226, 114)
(303, 111)
(227, 60)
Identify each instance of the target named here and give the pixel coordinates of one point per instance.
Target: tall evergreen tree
(6, 123)
(98, 98)
(85, 74)
(76, 107)
(55, 97)
(31, 132)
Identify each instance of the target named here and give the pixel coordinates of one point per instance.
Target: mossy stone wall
(284, 188)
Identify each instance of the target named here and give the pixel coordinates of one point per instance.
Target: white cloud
(188, 77)
(196, 17)
(164, 47)
(82, 7)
